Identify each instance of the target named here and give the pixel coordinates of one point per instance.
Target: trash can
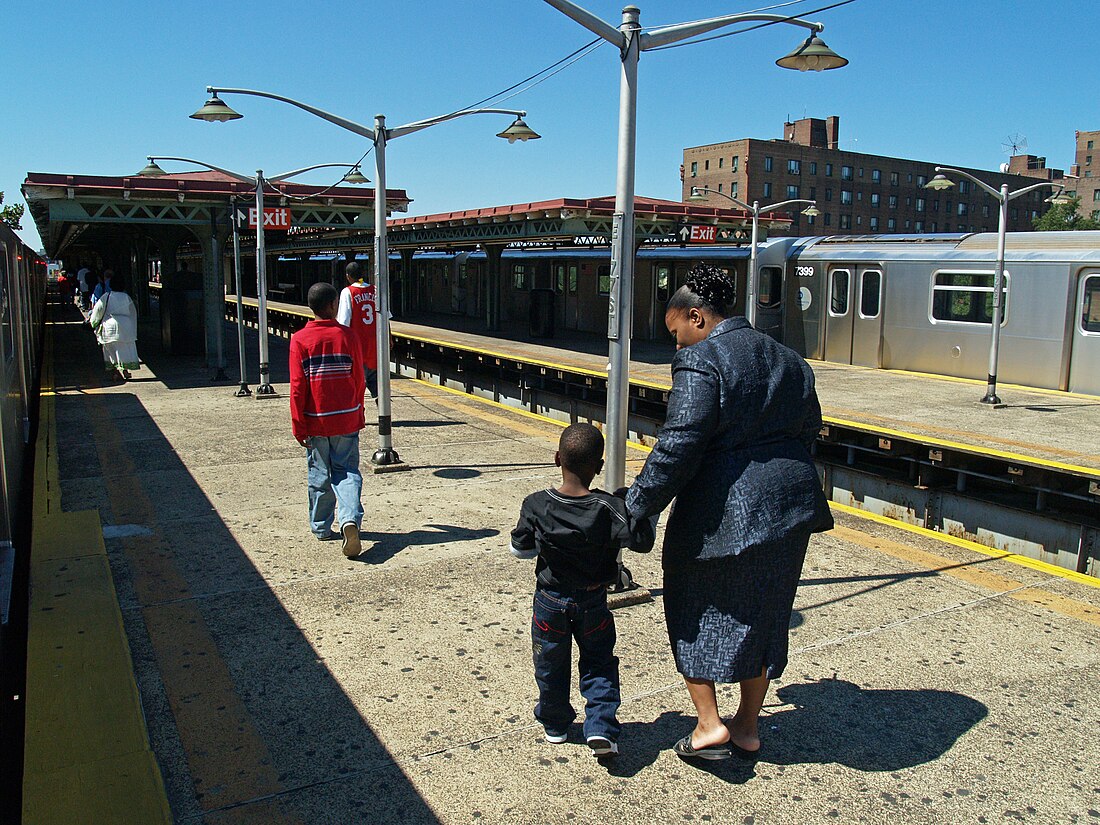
(542, 313)
(182, 327)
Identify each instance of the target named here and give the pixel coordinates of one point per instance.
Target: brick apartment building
(1088, 186)
(859, 193)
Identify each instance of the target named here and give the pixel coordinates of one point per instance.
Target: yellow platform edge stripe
(967, 544)
(946, 538)
(122, 786)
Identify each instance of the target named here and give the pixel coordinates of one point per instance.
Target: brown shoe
(352, 546)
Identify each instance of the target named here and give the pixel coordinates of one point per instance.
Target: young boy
(576, 534)
(359, 312)
(326, 413)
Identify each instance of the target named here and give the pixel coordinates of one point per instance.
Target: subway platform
(280, 682)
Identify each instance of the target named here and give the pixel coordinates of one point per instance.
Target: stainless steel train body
(920, 303)
(22, 303)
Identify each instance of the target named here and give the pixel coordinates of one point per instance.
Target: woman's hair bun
(714, 287)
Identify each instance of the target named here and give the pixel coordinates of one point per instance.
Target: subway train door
(838, 316)
(572, 296)
(1084, 364)
(769, 301)
(853, 322)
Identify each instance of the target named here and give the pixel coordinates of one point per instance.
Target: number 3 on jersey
(368, 312)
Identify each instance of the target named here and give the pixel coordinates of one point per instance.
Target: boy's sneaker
(602, 746)
(554, 738)
(352, 546)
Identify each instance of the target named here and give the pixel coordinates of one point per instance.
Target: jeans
(335, 484)
(558, 619)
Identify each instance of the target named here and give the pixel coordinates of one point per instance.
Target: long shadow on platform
(246, 720)
(831, 721)
(387, 545)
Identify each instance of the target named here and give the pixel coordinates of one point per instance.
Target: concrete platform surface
(285, 683)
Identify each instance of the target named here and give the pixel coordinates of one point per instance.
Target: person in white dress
(114, 321)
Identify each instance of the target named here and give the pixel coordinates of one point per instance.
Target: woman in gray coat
(735, 454)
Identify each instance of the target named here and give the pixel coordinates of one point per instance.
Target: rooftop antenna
(1014, 144)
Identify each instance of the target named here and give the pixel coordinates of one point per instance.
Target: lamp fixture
(812, 56)
(216, 111)
(520, 131)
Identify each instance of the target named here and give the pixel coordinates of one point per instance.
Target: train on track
(910, 302)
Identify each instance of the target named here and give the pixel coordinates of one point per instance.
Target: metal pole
(244, 390)
(621, 305)
(264, 387)
(750, 291)
(385, 454)
(998, 310)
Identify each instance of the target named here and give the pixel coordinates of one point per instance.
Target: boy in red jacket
(326, 414)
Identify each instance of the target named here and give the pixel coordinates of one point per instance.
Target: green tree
(11, 215)
(1063, 216)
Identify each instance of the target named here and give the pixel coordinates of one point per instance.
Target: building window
(845, 221)
(907, 223)
(519, 276)
(828, 170)
(1016, 212)
(694, 168)
(733, 189)
(933, 227)
(893, 178)
(845, 197)
(922, 180)
(891, 224)
(892, 202)
(1088, 145)
(603, 279)
(845, 172)
(813, 193)
(792, 192)
(767, 163)
(706, 165)
(874, 199)
(1096, 195)
(909, 178)
(962, 209)
(734, 166)
(861, 171)
(721, 162)
(767, 189)
(966, 297)
(828, 219)
(920, 204)
(1088, 174)
(1088, 159)
(876, 176)
(719, 188)
(874, 223)
(947, 206)
(794, 167)
(1096, 214)
(813, 167)
(985, 210)
(828, 194)
(809, 220)
(964, 187)
(918, 226)
(859, 220)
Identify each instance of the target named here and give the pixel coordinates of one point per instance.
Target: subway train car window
(572, 280)
(1090, 305)
(519, 276)
(838, 292)
(559, 279)
(870, 294)
(770, 289)
(662, 283)
(603, 279)
(966, 297)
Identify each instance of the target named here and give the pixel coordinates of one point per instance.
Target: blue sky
(95, 87)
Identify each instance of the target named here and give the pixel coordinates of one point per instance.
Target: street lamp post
(630, 40)
(215, 110)
(1003, 196)
(752, 281)
(152, 170)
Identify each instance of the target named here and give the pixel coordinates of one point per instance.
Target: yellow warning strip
(87, 756)
(1014, 558)
(967, 448)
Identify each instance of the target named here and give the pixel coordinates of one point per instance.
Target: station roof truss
(565, 221)
(67, 207)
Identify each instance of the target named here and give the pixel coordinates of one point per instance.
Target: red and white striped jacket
(326, 380)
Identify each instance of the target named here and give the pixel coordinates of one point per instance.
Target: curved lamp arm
(417, 125)
(350, 125)
(667, 35)
(710, 191)
(234, 175)
(285, 175)
(773, 206)
(985, 186)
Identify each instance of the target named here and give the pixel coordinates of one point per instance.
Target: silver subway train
(908, 302)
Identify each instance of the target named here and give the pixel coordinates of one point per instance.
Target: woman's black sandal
(684, 750)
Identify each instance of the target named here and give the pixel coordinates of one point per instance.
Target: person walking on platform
(577, 533)
(114, 322)
(82, 277)
(326, 414)
(104, 285)
(358, 312)
(734, 452)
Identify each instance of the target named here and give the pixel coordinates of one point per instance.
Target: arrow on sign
(685, 233)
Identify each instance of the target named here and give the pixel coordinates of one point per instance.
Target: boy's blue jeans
(559, 618)
(335, 484)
